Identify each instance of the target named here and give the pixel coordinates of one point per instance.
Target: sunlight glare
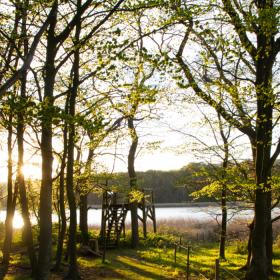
(17, 221)
(31, 171)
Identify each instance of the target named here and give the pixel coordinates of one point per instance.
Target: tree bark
(11, 199)
(224, 189)
(269, 237)
(27, 229)
(73, 266)
(84, 218)
(62, 214)
(45, 208)
(258, 268)
(224, 224)
(11, 196)
(249, 245)
(84, 202)
(133, 182)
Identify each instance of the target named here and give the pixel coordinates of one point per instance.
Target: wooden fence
(220, 272)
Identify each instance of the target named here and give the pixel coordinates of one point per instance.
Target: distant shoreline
(186, 204)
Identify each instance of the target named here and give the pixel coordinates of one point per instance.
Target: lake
(202, 213)
(162, 213)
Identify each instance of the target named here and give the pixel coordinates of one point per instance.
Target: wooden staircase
(115, 207)
(116, 225)
(114, 212)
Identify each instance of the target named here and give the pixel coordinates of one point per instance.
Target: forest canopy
(87, 80)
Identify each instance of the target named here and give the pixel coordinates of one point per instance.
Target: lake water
(185, 213)
(162, 213)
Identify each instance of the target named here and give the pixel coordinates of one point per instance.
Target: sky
(165, 143)
(175, 133)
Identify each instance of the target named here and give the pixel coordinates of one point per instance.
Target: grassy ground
(153, 260)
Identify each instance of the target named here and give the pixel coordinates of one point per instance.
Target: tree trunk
(225, 138)
(133, 182)
(224, 224)
(249, 245)
(62, 214)
(269, 237)
(45, 207)
(72, 250)
(10, 205)
(258, 268)
(27, 229)
(11, 197)
(84, 202)
(84, 218)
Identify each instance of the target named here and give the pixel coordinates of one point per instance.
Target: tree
(18, 42)
(132, 95)
(23, 101)
(55, 41)
(10, 81)
(227, 51)
(11, 195)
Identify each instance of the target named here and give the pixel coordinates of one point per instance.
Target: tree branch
(18, 74)
(240, 29)
(248, 130)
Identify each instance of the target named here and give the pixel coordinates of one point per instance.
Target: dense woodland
(79, 78)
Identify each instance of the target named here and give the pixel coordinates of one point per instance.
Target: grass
(149, 263)
(154, 259)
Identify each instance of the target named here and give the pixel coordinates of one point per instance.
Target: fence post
(217, 270)
(180, 243)
(104, 250)
(175, 254)
(188, 263)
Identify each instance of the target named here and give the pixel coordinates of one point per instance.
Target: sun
(31, 171)
(17, 221)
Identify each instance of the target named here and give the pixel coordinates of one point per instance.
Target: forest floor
(154, 259)
(152, 262)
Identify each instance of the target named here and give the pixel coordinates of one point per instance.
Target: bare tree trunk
(269, 237)
(249, 245)
(84, 202)
(10, 205)
(62, 214)
(225, 138)
(258, 268)
(133, 182)
(27, 229)
(84, 218)
(11, 197)
(45, 208)
(224, 224)
(72, 250)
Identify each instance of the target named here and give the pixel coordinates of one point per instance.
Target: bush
(277, 241)
(241, 247)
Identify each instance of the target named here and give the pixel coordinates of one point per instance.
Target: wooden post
(217, 270)
(104, 216)
(180, 242)
(96, 245)
(124, 228)
(154, 212)
(154, 219)
(144, 215)
(175, 254)
(104, 250)
(188, 263)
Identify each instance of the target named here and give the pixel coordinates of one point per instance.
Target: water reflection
(164, 213)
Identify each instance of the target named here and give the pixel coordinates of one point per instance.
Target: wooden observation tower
(115, 206)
